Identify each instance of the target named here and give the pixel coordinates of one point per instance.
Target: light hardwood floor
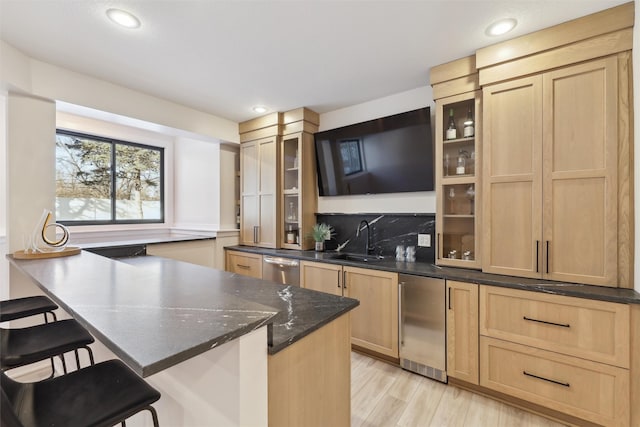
(384, 395)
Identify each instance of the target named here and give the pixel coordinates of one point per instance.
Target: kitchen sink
(357, 257)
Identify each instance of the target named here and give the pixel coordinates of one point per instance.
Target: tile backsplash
(387, 232)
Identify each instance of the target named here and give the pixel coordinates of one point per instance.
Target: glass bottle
(460, 167)
(451, 129)
(446, 165)
(468, 129)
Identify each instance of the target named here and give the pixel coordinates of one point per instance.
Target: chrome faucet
(368, 243)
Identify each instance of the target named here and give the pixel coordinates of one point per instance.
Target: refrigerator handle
(401, 314)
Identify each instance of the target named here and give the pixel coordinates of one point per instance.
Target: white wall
(17, 71)
(197, 183)
(3, 162)
(31, 178)
(421, 202)
(30, 166)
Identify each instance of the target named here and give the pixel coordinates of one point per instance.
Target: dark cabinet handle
(338, 278)
(546, 379)
(449, 290)
(438, 246)
(547, 257)
(344, 280)
(537, 256)
(245, 267)
(564, 325)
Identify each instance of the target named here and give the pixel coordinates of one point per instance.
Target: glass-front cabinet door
(458, 190)
(291, 151)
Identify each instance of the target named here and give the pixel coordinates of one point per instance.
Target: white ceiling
(224, 56)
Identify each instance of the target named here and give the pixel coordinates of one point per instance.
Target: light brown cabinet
(374, 323)
(458, 181)
(322, 277)
(259, 193)
(566, 354)
(550, 175)
(244, 263)
(277, 179)
(462, 331)
(298, 190)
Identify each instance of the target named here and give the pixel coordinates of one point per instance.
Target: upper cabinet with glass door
(298, 178)
(458, 151)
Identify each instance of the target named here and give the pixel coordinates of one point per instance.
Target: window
(350, 153)
(105, 181)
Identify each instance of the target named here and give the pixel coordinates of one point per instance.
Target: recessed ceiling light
(501, 27)
(259, 109)
(123, 18)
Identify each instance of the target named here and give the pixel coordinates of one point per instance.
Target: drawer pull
(564, 325)
(546, 379)
(245, 267)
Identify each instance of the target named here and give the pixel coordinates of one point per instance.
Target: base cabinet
(462, 331)
(566, 354)
(201, 252)
(374, 323)
(592, 391)
(244, 263)
(310, 381)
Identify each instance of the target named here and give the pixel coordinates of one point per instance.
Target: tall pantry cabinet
(551, 156)
(259, 181)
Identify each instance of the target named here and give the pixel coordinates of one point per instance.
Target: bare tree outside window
(88, 169)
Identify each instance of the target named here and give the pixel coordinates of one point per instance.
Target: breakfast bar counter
(204, 337)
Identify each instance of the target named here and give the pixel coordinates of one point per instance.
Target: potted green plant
(321, 232)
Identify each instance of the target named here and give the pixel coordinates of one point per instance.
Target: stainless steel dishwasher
(281, 270)
(422, 326)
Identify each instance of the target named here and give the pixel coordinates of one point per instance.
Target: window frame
(113, 220)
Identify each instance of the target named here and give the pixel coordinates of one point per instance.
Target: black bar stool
(18, 308)
(104, 394)
(22, 346)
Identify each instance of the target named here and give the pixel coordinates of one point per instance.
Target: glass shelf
(457, 217)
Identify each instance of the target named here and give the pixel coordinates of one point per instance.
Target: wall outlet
(424, 240)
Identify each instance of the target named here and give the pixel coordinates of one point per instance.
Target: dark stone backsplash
(387, 231)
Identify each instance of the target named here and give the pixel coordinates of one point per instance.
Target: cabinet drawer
(587, 390)
(245, 264)
(593, 330)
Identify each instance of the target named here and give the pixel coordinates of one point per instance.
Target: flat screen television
(392, 154)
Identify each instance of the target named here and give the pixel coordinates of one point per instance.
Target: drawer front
(593, 330)
(245, 264)
(587, 390)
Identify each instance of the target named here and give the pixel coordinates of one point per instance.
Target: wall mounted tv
(388, 155)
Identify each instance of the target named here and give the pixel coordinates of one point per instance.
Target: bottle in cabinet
(451, 129)
(468, 130)
(458, 186)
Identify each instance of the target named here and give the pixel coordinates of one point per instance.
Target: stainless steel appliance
(281, 270)
(422, 326)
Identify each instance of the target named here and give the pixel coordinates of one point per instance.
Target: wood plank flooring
(383, 395)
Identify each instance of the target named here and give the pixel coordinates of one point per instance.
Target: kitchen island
(223, 349)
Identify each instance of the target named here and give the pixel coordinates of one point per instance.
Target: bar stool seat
(22, 346)
(24, 307)
(104, 394)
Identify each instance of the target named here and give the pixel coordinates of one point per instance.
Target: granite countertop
(118, 239)
(600, 293)
(154, 313)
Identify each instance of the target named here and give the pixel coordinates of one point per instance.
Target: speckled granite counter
(601, 293)
(154, 313)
